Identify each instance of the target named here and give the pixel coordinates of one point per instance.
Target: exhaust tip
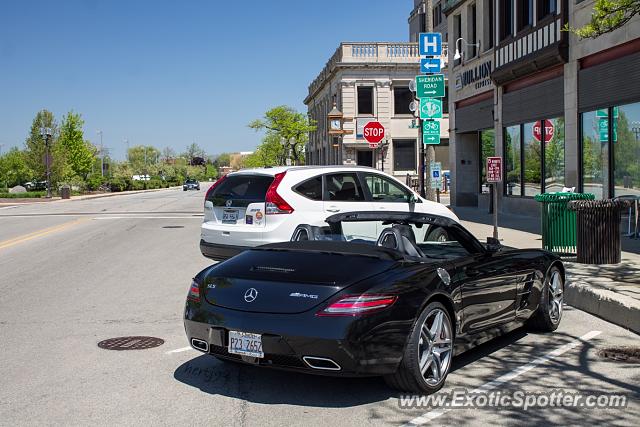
(200, 345)
(321, 363)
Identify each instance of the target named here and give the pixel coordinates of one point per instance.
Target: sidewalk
(611, 292)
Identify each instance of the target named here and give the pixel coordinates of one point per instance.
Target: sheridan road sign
(430, 86)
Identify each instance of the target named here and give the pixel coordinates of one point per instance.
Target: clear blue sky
(168, 73)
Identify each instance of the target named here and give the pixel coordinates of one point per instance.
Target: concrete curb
(85, 197)
(615, 308)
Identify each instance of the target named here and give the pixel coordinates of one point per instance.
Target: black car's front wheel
(549, 313)
(427, 357)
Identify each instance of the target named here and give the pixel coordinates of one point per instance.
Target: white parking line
(432, 415)
(146, 217)
(9, 207)
(179, 350)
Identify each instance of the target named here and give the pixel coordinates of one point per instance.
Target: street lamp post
(101, 155)
(46, 133)
(126, 141)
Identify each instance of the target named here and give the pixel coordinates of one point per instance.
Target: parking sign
(494, 169)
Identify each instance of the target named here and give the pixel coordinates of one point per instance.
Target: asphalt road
(73, 273)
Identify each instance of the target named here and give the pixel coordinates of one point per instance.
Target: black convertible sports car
(332, 302)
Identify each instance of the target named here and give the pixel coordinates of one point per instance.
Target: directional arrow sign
(430, 44)
(430, 65)
(430, 108)
(431, 132)
(430, 86)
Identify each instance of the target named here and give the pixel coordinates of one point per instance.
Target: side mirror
(493, 245)
(414, 199)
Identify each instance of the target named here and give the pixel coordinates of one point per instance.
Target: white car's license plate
(245, 344)
(230, 216)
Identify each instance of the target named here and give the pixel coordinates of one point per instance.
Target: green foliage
(626, 151)
(289, 126)
(221, 160)
(142, 157)
(607, 16)
(35, 148)
(269, 153)
(27, 195)
(13, 168)
(79, 154)
(194, 150)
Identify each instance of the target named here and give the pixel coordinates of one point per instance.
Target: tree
(13, 168)
(194, 150)
(142, 156)
(79, 154)
(607, 16)
(223, 159)
(291, 127)
(35, 148)
(168, 154)
(269, 153)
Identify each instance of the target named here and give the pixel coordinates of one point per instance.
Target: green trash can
(558, 222)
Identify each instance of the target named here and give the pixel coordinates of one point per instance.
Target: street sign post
(430, 108)
(430, 86)
(430, 65)
(494, 176)
(373, 133)
(430, 44)
(431, 132)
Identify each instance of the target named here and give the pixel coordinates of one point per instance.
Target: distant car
(191, 184)
(252, 207)
(35, 185)
(333, 302)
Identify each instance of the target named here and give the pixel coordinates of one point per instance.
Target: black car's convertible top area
(334, 247)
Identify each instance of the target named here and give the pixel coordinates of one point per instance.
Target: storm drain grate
(173, 226)
(130, 343)
(621, 354)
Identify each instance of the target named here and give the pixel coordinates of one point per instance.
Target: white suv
(257, 206)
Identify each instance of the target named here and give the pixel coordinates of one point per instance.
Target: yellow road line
(40, 233)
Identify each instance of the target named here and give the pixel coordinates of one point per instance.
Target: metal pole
(422, 167)
(48, 165)
(495, 210)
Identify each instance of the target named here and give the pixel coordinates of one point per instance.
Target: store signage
(494, 169)
(431, 132)
(480, 75)
(430, 86)
(430, 108)
(549, 131)
(360, 124)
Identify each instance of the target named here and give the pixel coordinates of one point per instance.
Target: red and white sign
(549, 130)
(373, 132)
(494, 169)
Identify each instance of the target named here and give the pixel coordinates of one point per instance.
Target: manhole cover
(173, 226)
(621, 354)
(130, 343)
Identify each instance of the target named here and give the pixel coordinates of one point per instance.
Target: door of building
(365, 158)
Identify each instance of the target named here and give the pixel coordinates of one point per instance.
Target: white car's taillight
(213, 187)
(274, 203)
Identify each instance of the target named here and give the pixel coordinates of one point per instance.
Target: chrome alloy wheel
(555, 296)
(435, 347)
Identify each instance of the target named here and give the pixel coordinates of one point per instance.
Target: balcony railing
(370, 53)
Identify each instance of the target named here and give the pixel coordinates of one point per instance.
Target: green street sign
(431, 132)
(430, 108)
(430, 86)
(603, 129)
(604, 112)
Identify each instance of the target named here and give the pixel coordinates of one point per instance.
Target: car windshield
(191, 181)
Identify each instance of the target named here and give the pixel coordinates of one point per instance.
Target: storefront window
(626, 150)
(595, 146)
(487, 149)
(512, 160)
(532, 159)
(554, 155)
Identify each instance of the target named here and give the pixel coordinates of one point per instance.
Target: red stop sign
(549, 130)
(373, 132)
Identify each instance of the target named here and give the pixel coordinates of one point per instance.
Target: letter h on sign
(430, 44)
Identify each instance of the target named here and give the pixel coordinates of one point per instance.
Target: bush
(94, 182)
(117, 184)
(27, 195)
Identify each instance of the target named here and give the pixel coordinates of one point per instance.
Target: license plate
(230, 216)
(245, 344)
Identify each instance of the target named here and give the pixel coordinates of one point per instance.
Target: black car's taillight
(194, 292)
(353, 305)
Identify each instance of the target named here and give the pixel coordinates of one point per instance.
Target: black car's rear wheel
(427, 357)
(549, 313)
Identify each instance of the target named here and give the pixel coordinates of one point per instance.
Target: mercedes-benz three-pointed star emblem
(250, 295)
